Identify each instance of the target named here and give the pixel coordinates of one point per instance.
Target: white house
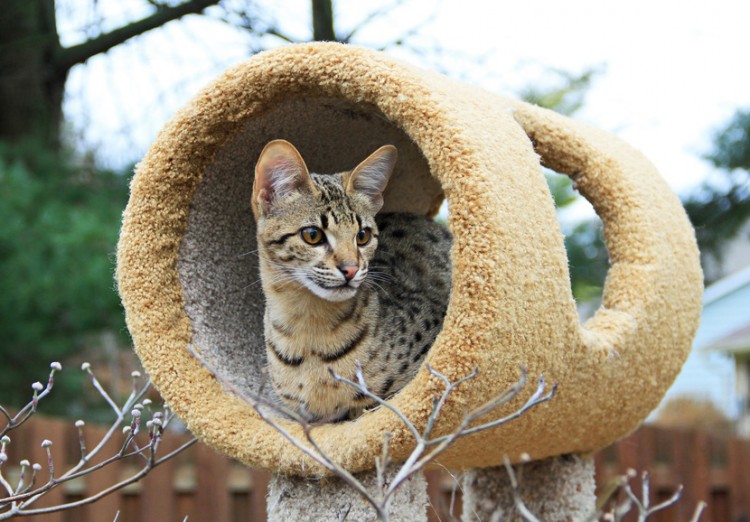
(710, 371)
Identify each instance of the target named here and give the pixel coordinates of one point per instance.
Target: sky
(670, 73)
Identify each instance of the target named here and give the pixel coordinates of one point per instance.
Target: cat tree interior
(187, 269)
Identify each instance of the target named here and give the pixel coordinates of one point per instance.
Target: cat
(343, 283)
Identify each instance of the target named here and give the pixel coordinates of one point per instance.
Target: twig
(642, 504)
(420, 456)
(86, 367)
(381, 462)
(536, 399)
(88, 500)
(24, 495)
(698, 511)
(30, 408)
(371, 17)
(362, 388)
(517, 500)
(316, 454)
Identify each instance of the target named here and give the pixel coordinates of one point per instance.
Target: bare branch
(517, 500)
(671, 500)
(698, 511)
(134, 478)
(5, 483)
(86, 367)
(374, 15)
(362, 388)
(29, 409)
(70, 56)
(642, 504)
(280, 35)
(449, 387)
(24, 495)
(534, 400)
(382, 462)
(315, 453)
(419, 456)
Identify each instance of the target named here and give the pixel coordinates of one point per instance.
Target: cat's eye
(312, 235)
(364, 236)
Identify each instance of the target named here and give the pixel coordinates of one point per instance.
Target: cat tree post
(294, 498)
(187, 275)
(557, 489)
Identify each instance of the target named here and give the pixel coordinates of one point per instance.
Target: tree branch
(70, 56)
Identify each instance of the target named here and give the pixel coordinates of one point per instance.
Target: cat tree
(188, 278)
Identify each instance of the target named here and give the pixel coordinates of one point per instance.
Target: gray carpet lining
(218, 264)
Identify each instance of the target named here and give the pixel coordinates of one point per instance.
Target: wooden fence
(205, 486)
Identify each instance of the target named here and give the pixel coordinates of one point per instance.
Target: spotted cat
(343, 283)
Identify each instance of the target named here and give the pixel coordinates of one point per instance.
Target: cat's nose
(349, 270)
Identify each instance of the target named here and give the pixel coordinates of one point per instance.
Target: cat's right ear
(369, 178)
(280, 171)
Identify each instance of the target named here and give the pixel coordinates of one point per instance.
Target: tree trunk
(322, 17)
(34, 66)
(31, 87)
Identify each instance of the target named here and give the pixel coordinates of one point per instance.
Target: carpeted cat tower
(189, 279)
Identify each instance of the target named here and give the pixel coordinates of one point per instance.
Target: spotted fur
(336, 302)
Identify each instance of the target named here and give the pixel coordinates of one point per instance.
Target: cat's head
(318, 230)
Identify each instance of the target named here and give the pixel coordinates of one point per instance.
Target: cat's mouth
(350, 286)
(336, 292)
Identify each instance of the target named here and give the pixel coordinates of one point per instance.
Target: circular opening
(582, 228)
(218, 261)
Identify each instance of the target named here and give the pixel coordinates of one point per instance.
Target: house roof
(725, 323)
(726, 285)
(737, 342)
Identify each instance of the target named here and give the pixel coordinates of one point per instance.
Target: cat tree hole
(218, 263)
(582, 228)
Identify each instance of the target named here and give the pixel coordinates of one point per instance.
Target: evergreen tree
(720, 207)
(57, 242)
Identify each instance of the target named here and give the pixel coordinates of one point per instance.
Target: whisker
(381, 276)
(249, 252)
(374, 284)
(275, 278)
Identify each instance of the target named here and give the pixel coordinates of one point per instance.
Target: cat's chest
(302, 372)
(324, 337)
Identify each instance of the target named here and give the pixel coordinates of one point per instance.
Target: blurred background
(85, 85)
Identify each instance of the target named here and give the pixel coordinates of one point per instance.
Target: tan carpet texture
(189, 280)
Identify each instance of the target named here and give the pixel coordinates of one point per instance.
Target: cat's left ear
(370, 177)
(280, 172)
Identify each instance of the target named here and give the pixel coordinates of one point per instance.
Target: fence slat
(207, 486)
(701, 470)
(104, 509)
(46, 429)
(158, 501)
(212, 493)
(258, 506)
(682, 461)
(739, 473)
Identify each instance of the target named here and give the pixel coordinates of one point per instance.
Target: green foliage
(721, 206)
(587, 258)
(732, 144)
(568, 96)
(587, 254)
(57, 241)
(561, 188)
